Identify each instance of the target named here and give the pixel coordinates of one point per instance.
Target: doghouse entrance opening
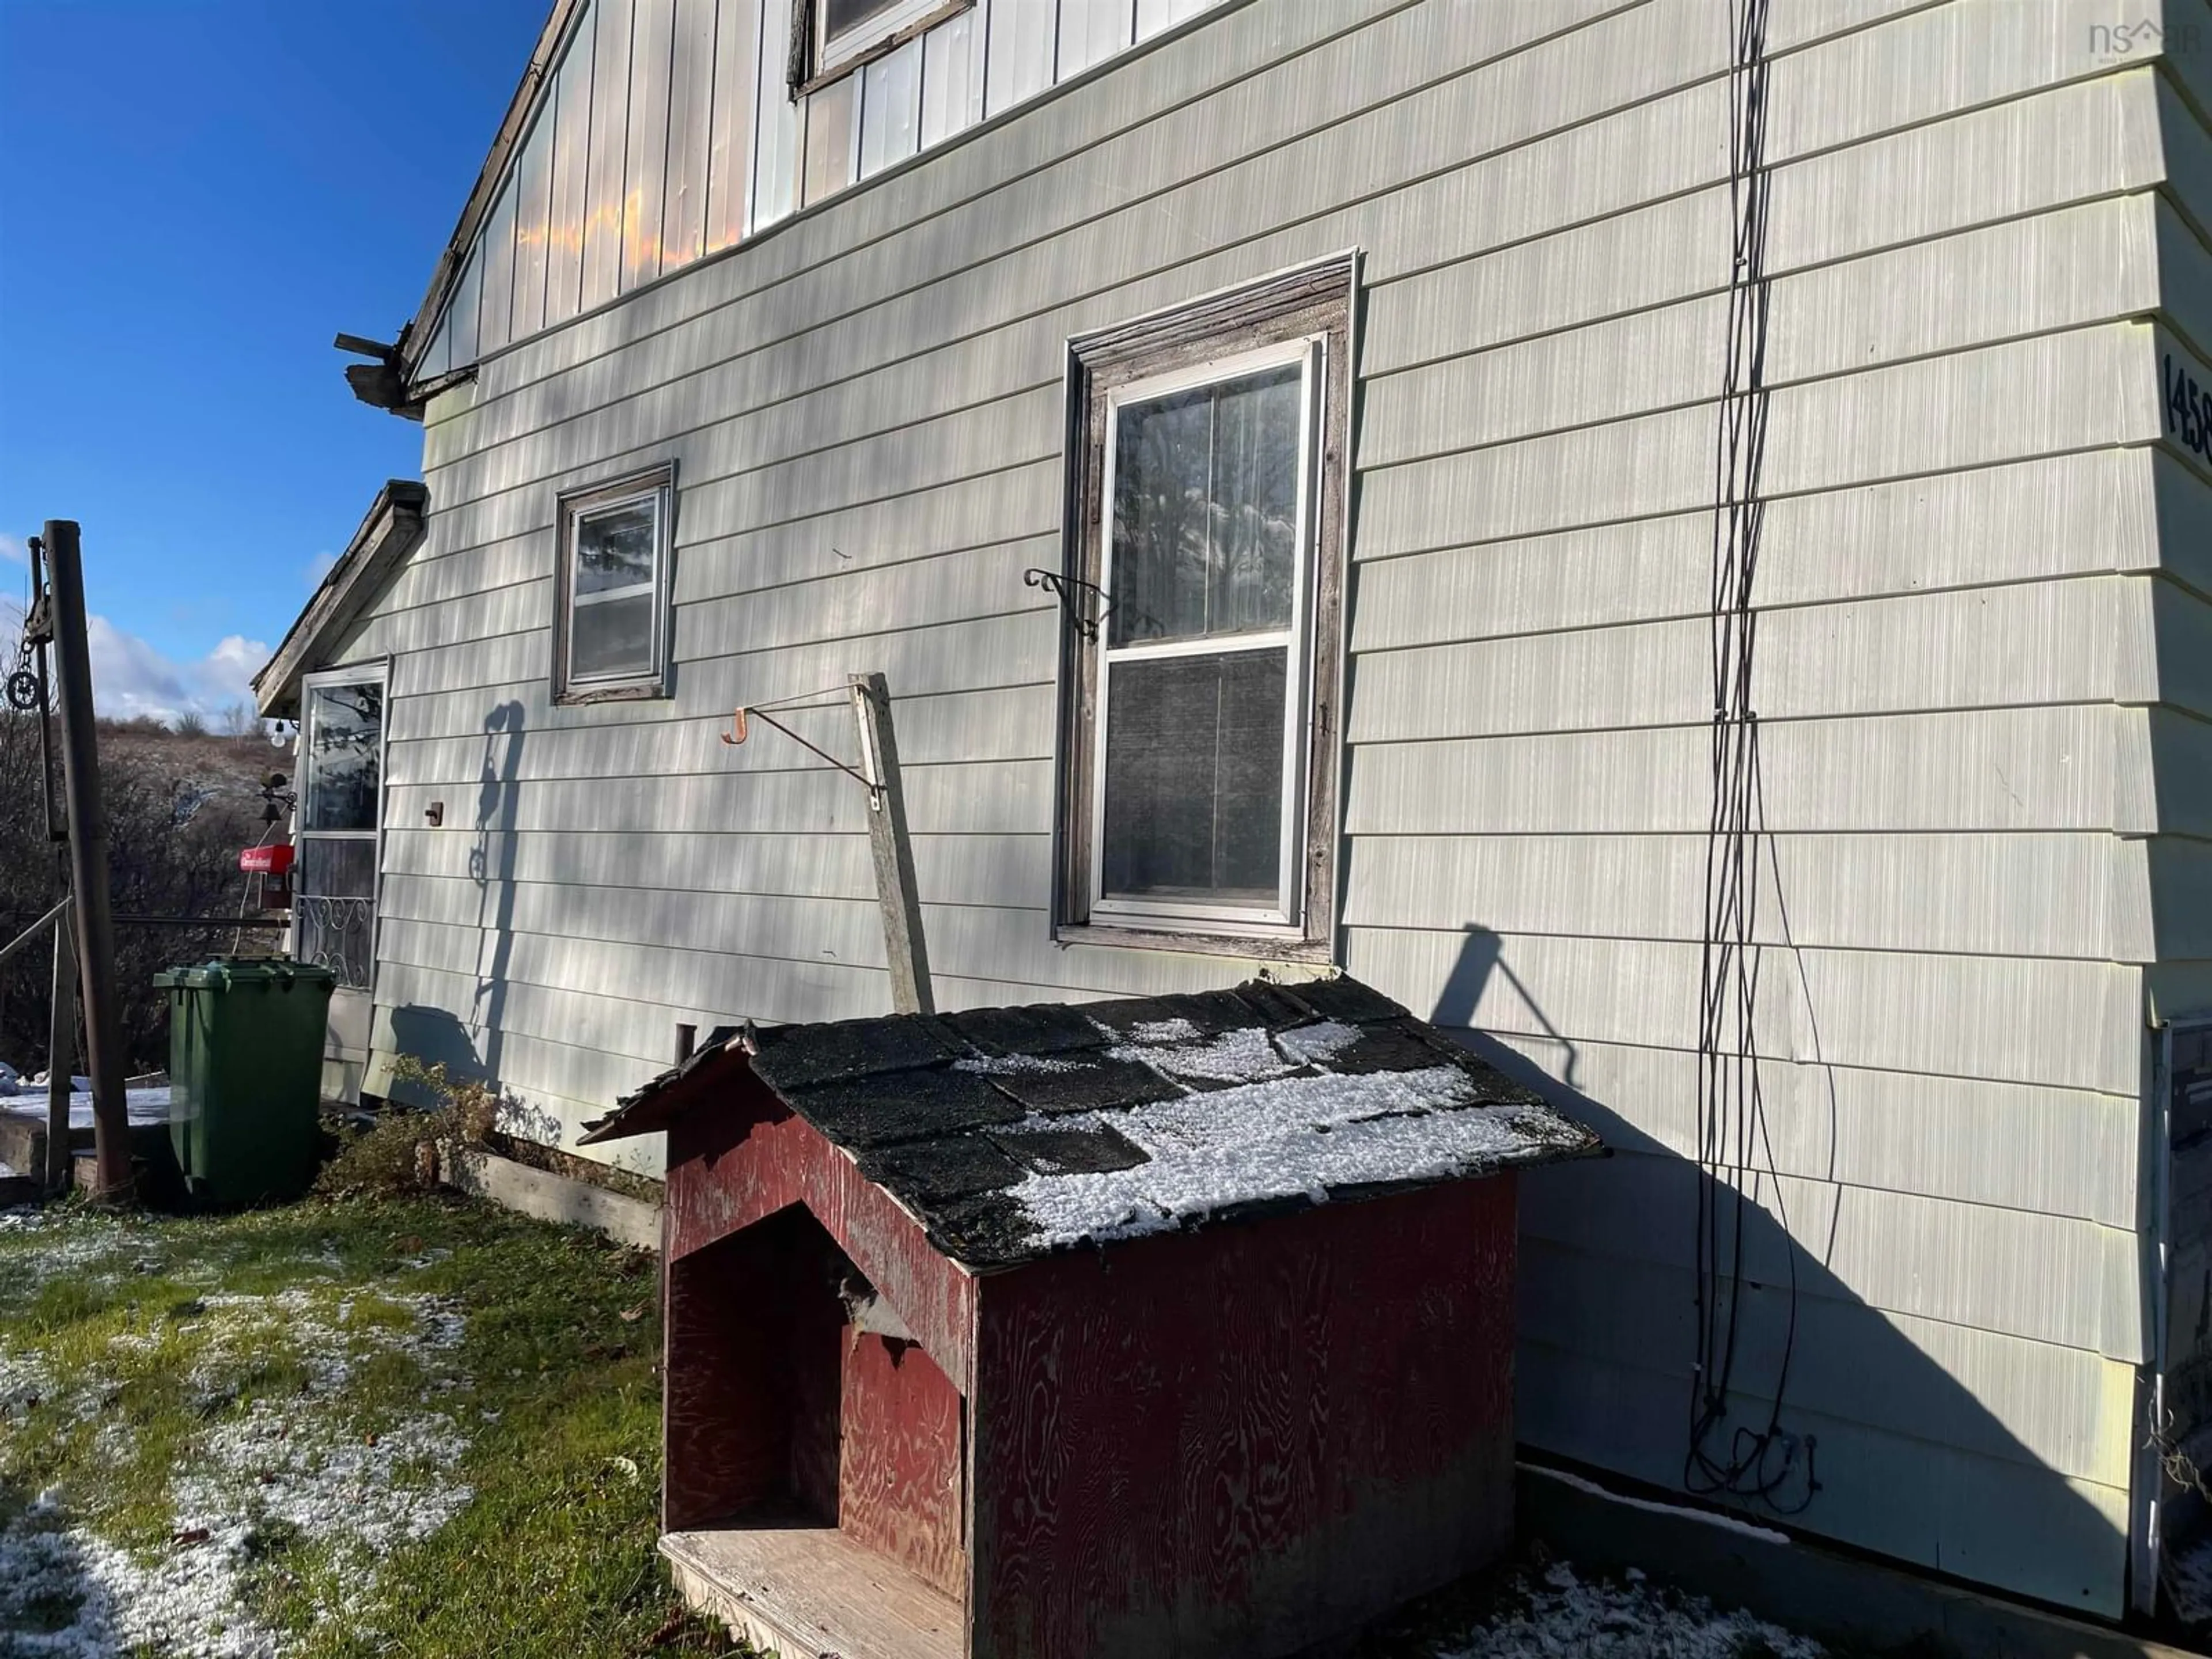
(815, 1458)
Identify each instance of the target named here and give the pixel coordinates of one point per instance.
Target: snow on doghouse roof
(1011, 1132)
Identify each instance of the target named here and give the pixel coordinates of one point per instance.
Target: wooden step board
(809, 1592)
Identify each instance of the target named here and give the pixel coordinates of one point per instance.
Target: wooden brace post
(893, 852)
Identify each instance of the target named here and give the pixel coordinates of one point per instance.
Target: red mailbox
(273, 864)
(275, 860)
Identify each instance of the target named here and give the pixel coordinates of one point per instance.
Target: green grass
(151, 1369)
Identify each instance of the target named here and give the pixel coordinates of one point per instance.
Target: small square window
(1199, 761)
(831, 38)
(611, 639)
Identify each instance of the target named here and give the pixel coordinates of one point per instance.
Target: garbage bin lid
(227, 973)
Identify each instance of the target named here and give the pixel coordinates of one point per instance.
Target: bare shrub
(178, 812)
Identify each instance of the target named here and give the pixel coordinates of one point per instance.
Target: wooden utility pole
(88, 848)
(893, 852)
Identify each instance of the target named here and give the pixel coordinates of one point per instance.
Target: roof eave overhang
(708, 1075)
(392, 529)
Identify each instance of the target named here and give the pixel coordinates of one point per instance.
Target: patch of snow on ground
(1279, 1139)
(68, 1248)
(1567, 1619)
(306, 1463)
(24, 1382)
(43, 1577)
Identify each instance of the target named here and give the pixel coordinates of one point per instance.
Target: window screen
(1194, 778)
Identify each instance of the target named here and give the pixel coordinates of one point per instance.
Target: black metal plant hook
(1072, 590)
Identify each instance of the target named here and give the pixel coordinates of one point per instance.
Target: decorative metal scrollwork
(337, 934)
(1085, 604)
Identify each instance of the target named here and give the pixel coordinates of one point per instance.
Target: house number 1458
(2188, 411)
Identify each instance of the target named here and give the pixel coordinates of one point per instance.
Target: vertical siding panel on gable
(572, 155)
(461, 310)
(691, 132)
(831, 115)
(438, 356)
(533, 208)
(890, 108)
(645, 155)
(952, 74)
(1018, 61)
(495, 308)
(603, 190)
(730, 148)
(780, 141)
(1090, 31)
(1153, 15)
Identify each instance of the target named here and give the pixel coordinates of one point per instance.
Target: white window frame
(833, 55)
(378, 674)
(1283, 919)
(658, 486)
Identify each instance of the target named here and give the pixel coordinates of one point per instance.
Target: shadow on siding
(1882, 1439)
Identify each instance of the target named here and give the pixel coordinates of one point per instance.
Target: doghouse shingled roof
(1011, 1132)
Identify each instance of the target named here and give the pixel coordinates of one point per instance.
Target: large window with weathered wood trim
(1203, 588)
(612, 626)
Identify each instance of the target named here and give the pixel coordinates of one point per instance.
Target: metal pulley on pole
(87, 851)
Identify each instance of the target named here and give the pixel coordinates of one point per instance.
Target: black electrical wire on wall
(1757, 1459)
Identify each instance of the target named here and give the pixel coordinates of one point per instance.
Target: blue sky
(195, 195)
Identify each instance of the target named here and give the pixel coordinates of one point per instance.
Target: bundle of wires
(1757, 1461)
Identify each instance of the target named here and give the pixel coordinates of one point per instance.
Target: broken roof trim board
(391, 529)
(1010, 1134)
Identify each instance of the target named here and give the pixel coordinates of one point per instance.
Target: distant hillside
(179, 807)
(230, 768)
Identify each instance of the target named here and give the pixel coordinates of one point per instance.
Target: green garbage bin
(246, 1073)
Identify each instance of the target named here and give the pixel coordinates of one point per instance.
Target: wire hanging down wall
(1759, 1460)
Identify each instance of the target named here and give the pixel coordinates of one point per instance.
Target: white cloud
(320, 567)
(12, 550)
(130, 677)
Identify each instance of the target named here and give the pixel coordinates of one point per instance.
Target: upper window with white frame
(1200, 754)
(611, 636)
(832, 38)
